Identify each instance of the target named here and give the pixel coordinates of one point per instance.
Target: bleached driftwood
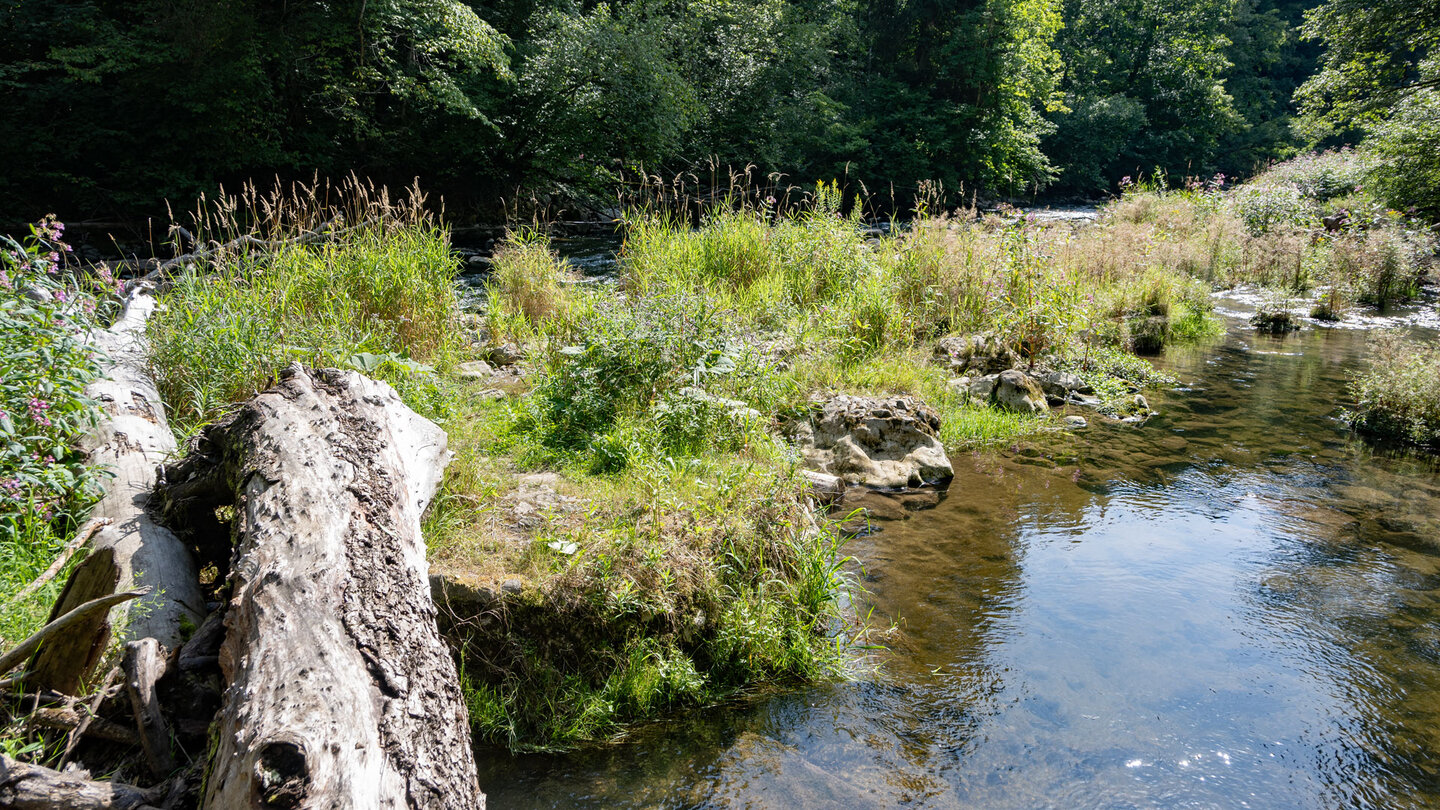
(131, 551)
(340, 692)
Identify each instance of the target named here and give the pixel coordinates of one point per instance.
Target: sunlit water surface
(1233, 605)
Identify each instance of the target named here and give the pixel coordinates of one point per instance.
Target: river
(1232, 605)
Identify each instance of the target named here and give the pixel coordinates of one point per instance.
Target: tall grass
(381, 299)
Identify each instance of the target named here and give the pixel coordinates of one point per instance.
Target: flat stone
(1076, 422)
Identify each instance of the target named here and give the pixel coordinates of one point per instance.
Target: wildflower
(60, 295)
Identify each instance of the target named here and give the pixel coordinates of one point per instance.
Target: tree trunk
(131, 552)
(340, 692)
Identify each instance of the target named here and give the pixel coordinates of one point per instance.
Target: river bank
(1229, 606)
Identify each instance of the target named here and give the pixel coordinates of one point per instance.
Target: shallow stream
(1236, 604)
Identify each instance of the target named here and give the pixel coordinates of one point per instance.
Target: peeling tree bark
(340, 692)
(131, 552)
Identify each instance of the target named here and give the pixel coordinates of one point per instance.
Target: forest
(116, 107)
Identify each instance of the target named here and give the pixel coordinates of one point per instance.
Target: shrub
(1320, 176)
(45, 365)
(1398, 396)
(1268, 206)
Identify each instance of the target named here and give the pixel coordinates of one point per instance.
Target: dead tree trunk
(131, 552)
(340, 692)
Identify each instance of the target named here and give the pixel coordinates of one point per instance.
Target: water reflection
(1233, 605)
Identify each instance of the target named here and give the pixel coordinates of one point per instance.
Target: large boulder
(975, 355)
(1019, 391)
(891, 442)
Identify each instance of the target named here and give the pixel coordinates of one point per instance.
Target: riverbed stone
(889, 442)
(1018, 391)
(1076, 422)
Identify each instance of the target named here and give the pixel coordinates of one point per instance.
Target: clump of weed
(1398, 396)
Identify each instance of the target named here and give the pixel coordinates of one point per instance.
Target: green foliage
(45, 484)
(1144, 89)
(1264, 206)
(1406, 146)
(1398, 395)
(44, 367)
(719, 587)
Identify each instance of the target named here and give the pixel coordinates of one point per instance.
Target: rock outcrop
(1018, 391)
(891, 442)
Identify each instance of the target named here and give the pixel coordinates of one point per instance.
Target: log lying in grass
(131, 551)
(340, 691)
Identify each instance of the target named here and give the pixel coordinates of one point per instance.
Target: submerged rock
(1076, 422)
(1018, 391)
(890, 442)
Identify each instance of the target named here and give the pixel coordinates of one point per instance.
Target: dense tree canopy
(115, 106)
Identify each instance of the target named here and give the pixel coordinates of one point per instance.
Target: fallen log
(33, 787)
(339, 690)
(131, 551)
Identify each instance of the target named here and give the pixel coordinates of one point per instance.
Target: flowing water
(1235, 604)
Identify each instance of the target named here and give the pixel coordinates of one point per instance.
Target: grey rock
(506, 354)
(982, 388)
(1062, 383)
(890, 442)
(39, 295)
(975, 354)
(512, 586)
(476, 370)
(1018, 391)
(1076, 422)
(824, 486)
(1141, 403)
